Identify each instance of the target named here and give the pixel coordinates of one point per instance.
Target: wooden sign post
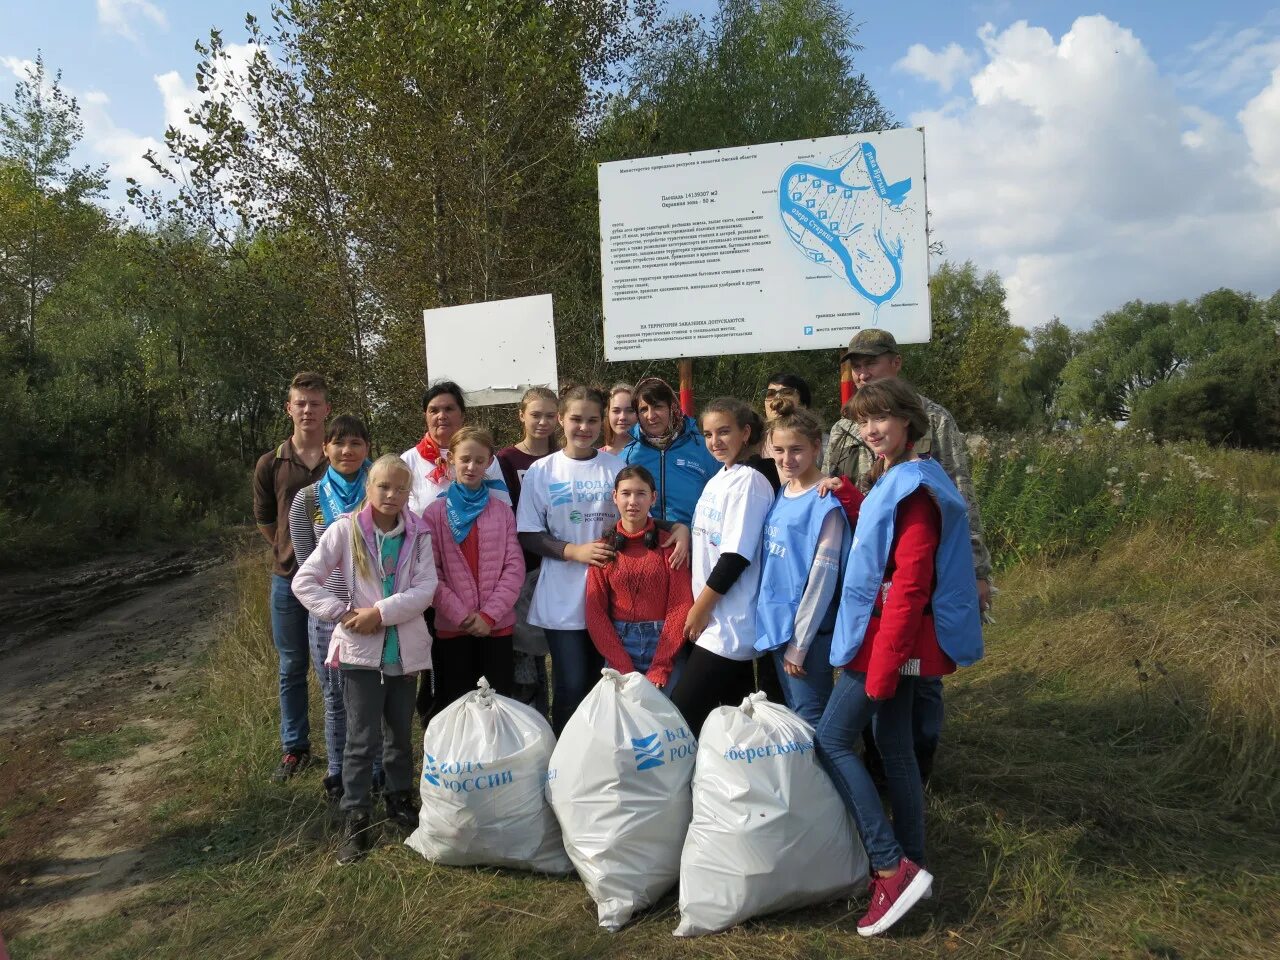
(847, 386)
(686, 387)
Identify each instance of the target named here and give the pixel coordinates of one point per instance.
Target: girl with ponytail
(382, 552)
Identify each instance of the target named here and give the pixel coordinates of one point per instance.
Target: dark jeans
(458, 663)
(709, 681)
(289, 633)
(926, 728)
(807, 696)
(848, 713)
(575, 666)
(379, 708)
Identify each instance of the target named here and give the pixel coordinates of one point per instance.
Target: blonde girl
(805, 539)
(383, 552)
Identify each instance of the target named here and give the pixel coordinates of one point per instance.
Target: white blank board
(496, 350)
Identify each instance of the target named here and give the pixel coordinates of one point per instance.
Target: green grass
(108, 746)
(1059, 495)
(1107, 788)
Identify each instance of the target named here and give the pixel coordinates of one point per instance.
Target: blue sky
(1090, 154)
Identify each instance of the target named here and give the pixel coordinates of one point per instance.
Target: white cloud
(1076, 172)
(104, 141)
(20, 68)
(1229, 60)
(119, 147)
(943, 68)
(1260, 120)
(121, 16)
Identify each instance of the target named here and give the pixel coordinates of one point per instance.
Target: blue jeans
(926, 719)
(289, 632)
(575, 666)
(848, 712)
(319, 633)
(807, 696)
(640, 640)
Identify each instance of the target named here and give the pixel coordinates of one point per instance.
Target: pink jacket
(415, 585)
(501, 567)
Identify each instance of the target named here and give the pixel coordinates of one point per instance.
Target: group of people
(841, 573)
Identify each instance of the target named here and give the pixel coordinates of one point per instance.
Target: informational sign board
(780, 246)
(495, 351)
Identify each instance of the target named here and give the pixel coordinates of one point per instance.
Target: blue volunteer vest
(790, 542)
(956, 618)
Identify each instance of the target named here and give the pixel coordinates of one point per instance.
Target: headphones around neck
(618, 539)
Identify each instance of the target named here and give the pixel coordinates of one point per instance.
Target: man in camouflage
(874, 355)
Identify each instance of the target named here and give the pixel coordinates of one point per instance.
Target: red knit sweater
(904, 631)
(637, 586)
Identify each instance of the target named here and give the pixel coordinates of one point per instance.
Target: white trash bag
(619, 784)
(483, 773)
(769, 831)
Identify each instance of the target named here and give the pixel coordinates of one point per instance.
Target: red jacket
(639, 585)
(903, 631)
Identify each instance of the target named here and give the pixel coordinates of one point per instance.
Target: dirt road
(88, 658)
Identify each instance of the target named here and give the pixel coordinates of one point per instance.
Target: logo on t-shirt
(575, 516)
(714, 537)
(561, 493)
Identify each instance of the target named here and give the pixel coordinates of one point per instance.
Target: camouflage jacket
(848, 456)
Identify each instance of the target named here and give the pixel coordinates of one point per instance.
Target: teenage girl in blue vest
(908, 608)
(806, 536)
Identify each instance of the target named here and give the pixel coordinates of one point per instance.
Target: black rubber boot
(357, 841)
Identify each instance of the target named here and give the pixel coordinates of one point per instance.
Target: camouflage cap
(870, 343)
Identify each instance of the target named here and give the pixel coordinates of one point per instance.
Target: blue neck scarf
(338, 495)
(463, 505)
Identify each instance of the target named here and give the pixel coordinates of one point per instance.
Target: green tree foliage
(428, 156)
(46, 222)
(971, 342)
(1031, 376)
(1187, 370)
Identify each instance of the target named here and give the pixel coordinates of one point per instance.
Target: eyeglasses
(780, 392)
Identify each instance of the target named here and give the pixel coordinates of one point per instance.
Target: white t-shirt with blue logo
(573, 501)
(729, 518)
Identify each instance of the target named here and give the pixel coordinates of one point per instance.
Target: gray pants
(374, 700)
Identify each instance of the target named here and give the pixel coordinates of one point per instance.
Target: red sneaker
(892, 897)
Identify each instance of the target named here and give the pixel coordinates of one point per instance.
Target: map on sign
(848, 217)
(765, 248)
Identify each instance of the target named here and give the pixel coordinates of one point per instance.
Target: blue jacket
(956, 618)
(680, 471)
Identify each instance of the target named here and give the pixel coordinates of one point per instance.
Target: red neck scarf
(430, 452)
